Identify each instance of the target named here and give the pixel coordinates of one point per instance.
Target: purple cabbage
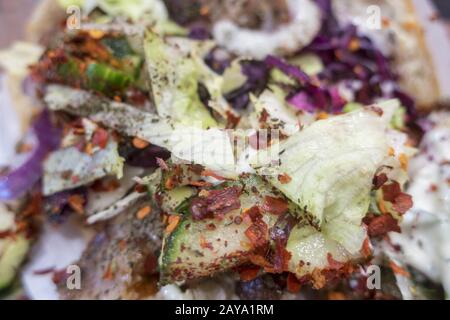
(143, 158)
(57, 205)
(257, 75)
(18, 181)
(199, 31)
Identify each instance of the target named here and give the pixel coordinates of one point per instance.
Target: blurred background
(14, 13)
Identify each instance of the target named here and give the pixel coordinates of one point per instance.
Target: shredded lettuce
(115, 115)
(174, 74)
(310, 250)
(331, 164)
(69, 168)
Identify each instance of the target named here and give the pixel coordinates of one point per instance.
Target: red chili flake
(249, 273)
(100, 138)
(200, 184)
(334, 295)
(140, 188)
(403, 202)
(60, 276)
(75, 179)
(108, 274)
(143, 212)
(211, 226)
(173, 221)
(44, 271)
(376, 109)
(150, 264)
(284, 178)
(260, 260)
(253, 214)
(318, 279)
(379, 226)
(281, 257)
(34, 205)
(139, 143)
(379, 180)
(334, 264)
(366, 251)
(232, 119)
(264, 116)
(205, 244)
(216, 203)
(162, 164)
(105, 185)
(209, 173)
(5, 234)
(276, 206)
(399, 270)
(76, 202)
(293, 284)
(391, 191)
(258, 233)
(434, 188)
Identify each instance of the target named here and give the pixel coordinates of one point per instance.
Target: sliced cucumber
(202, 248)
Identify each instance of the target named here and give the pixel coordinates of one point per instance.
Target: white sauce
(425, 238)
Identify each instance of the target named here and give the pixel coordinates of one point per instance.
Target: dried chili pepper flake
(143, 212)
(381, 225)
(210, 173)
(391, 191)
(402, 203)
(200, 184)
(205, 244)
(335, 295)
(248, 273)
(433, 187)
(322, 115)
(257, 233)
(60, 276)
(318, 279)
(276, 206)
(173, 221)
(89, 148)
(105, 185)
(354, 45)
(391, 152)
(403, 159)
(284, 178)
(399, 270)
(76, 203)
(376, 110)
(100, 138)
(293, 284)
(216, 203)
(96, 34)
(366, 250)
(109, 273)
(379, 180)
(140, 188)
(334, 264)
(34, 205)
(139, 143)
